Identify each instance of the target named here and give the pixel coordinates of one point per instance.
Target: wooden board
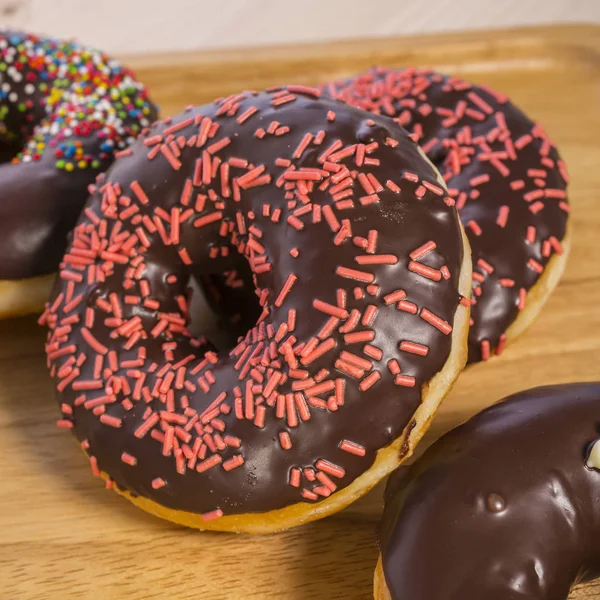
(63, 536)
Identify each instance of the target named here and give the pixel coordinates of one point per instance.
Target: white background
(136, 26)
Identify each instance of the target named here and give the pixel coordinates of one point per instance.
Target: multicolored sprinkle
(63, 98)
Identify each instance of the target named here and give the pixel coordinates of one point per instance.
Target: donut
(505, 506)
(508, 181)
(65, 111)
(364, 314)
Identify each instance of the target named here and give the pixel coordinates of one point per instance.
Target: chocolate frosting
(253, 431)
(40, 206)
(503, 506)
(506, 175)
(65, 110)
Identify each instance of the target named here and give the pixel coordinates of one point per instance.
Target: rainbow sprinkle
(64, 98)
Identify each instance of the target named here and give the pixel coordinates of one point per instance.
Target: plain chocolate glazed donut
(360, 267)
(507, 506)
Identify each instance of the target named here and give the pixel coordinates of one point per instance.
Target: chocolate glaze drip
(503, 506)
(506, 175)
(64, 111)
(369, 416)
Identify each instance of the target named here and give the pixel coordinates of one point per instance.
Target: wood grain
(63, 536)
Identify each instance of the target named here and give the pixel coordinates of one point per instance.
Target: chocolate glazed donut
(505, 506)
(508, 180)
(362, 331)
(65, 110)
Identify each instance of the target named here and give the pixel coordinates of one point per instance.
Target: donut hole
(224, 305)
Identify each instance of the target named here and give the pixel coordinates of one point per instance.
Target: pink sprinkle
(436, 321)
(303, 145)
(483, 264)
(376, 259)
(353, 448)
(233, 462)
(533, 195)
(285, 290)
(295, 222)
(394, 296)
(502, 216)
(393, 366)
(505, 282)
(474, 227)
(285, 441)
(479, 180)
(480, 103)
(369, 315)
(423, 250)
(110, 420)
(369, 381)
(556, 245)
(330, 468)
(392, 186)
(170, 157)
(246, 115)
(136, 188)
(501, 344)
(94, 466)
(355, 274)
(534, 265)
(283, 100)
(485, 350)
(213, 515)
(373, 351)
(129, 459)
(424, 271)
(359, 336)
(330, 309)
(420, 191)
(295, 475)
(406, 306)
(214, 460)
(309, 495)
(414, 348)
(433, 188)
(405, 380)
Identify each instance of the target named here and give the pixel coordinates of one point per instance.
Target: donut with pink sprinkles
(361, 269)
(508, 181)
